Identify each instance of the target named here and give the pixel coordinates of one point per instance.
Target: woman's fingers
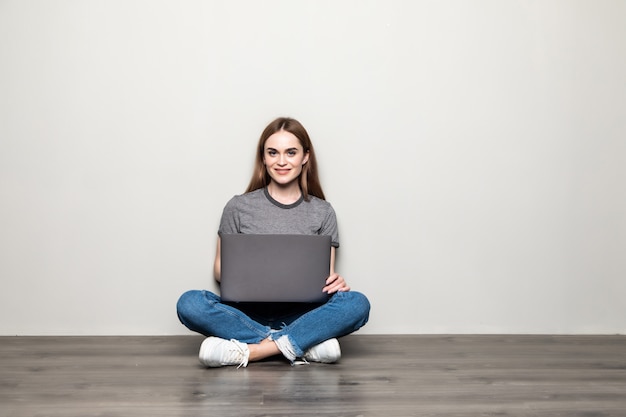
(335, 283)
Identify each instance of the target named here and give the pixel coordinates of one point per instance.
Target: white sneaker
(326, 352)
(216, 352)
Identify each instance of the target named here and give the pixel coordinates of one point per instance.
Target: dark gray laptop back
(274, 268)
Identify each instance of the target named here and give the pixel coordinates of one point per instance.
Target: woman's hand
(335, 283)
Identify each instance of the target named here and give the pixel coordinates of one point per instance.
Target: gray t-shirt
(257, 212)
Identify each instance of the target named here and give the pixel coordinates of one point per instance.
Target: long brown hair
(309, 179)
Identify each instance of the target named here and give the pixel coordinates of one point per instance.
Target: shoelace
(241, 351)
(301, 361)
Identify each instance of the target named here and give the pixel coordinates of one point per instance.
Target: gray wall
(473, 150)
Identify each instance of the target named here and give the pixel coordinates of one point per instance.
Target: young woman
(284, 197)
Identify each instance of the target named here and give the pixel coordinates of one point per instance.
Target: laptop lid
(274, 268)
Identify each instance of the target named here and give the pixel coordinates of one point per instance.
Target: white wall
(474, 151)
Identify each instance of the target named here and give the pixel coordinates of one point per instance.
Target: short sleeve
(329, 227)
(229, 223)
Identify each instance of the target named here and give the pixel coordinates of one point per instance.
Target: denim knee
(192, 302)
(357, 304)
(184, 304)
(360, 304)
(357, 300)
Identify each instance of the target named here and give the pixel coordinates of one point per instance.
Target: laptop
(274, 268)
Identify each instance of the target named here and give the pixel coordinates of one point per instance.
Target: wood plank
(399, 375)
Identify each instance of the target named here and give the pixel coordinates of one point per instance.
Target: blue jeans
(344, 313)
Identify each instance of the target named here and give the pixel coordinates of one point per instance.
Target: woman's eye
(291, 153)
(271, 153)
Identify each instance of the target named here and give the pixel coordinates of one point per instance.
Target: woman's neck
(287, 194)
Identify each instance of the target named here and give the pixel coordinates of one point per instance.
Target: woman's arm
(335, 282)
(217, 265)
(332, 259)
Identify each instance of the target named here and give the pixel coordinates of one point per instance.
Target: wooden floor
(377, 376)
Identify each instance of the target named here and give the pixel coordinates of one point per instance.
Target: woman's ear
(306, 158)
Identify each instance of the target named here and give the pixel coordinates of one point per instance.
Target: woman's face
(284, 157)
